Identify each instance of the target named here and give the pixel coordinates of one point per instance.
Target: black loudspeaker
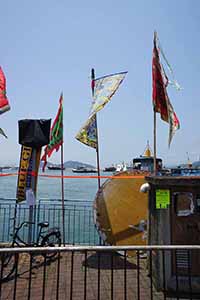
(34, 133)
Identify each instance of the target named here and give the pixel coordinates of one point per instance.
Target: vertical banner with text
(28, 172)
(33, 134)
(23, 171)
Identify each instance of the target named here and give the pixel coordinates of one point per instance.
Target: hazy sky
(50, 46)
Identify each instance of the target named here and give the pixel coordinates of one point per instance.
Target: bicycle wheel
(51, 240)
(8, 263)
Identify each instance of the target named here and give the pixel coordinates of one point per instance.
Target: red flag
(160, 97)
(160, 81)
(56, 135)
(4, 104)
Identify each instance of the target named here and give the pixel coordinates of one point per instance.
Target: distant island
(70, 164)
(76, 164)
(73, 164)
(196, 164)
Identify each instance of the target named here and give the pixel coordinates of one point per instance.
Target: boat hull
(110, 169)
(84, 171)
(119, 208)
(55, 168)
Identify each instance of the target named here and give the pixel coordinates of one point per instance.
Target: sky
(50, 46)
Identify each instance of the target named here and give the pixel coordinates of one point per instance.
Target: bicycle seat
(43, 224)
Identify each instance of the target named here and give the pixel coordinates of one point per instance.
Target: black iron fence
(78, 216)
(102, 272)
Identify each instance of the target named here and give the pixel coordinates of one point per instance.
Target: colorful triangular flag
(104, 88)
(56, 134)
(88, 133)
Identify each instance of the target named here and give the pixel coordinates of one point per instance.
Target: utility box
(174, 219)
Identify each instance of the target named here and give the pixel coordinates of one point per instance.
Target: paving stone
(80, 266)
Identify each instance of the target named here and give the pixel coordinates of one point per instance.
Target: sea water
(50, 187)
(79, 194)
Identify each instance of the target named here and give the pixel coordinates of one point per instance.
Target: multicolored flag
(161, 102)
(4, 104)
(104, 88)
(3, 133)
(56, 134)
(88, 133)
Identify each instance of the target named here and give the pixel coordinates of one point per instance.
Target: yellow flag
(88, 133)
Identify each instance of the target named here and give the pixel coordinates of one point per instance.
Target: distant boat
(121, 167)
(84, 170)
(110, 169)
(6, 168)
(55, 167)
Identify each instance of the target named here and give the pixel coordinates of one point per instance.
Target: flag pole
(62, 185)
(97, 149)
(154, 141)
(63, 198)
(154, 125)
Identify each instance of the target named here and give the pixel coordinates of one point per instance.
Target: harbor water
(79, 194)
(50, 188)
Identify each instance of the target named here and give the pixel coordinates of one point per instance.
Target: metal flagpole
(98, 164)
(62, 188)
(154, 141)
(63, 198)
(97, 149)
(154, 125)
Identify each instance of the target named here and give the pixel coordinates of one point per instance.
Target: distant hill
(71, 164)
(75, 164)
(196, 164)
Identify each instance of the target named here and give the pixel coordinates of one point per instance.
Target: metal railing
(102, 272)
(79, 224)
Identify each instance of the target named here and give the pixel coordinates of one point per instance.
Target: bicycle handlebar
(17, 229)
(23, 223)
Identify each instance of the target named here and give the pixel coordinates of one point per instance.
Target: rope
(72, 176)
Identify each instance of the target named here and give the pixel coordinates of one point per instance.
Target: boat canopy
(146, 163)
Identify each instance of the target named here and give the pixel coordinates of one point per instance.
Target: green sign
(162, 199)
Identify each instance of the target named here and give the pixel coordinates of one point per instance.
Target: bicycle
(49, 238)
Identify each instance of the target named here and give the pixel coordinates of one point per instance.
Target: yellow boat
(120, 209)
